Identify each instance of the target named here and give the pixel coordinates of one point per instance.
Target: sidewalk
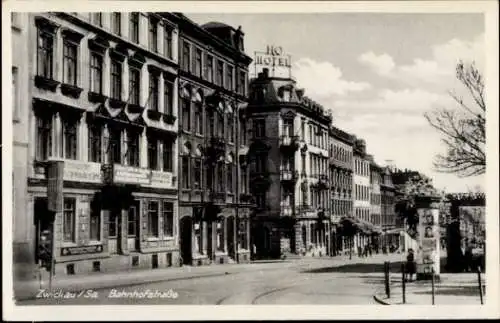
(453, 289)
(27, 289)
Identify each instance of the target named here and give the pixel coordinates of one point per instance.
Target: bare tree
(463, 129)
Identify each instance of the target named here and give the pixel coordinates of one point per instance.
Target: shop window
(44, 137)
(69, 220)
(153, 219)
(168, 219)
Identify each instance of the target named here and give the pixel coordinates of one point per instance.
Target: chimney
(265, 71)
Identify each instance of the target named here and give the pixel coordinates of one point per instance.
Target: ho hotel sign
(273, 56)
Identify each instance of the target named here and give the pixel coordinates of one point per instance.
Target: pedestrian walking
(410, 264)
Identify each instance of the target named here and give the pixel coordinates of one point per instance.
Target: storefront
(106, 218)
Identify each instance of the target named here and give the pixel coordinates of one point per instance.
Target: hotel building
(98, 139)
(289, 163)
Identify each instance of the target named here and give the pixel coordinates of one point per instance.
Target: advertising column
(428, 256)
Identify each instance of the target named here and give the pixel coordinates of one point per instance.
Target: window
(133, 148)
(69, 220)
(44, 137)
(198, 117)
(242, 234)
(259, 128)
(153, 153)
(153, 219)
(303, 163)
(211, 122)
(242, 83)
(45, 54)
(197, 173)
(114, 145)
(260, 163)
(220, 177)
(260, 200)
(15, 94)
(230, 173)
(186, 113)
(197, 237)
(197, 62)
(168, 156)
(209, 69)
(220, 73)
(96, 72)
(95, 222)
(288, 127)
(153, 34)
(168, 91)
(244, 180)
(95, 138)
(134, 27)
(167, 42)
(133, 216)
(116, 80)
(69, 138)
(220, 124)
(153, 91)
(243, 132)
(230, 127)
(116, 21)
(229, 77)
(134, 85)
(186, 56)
(168, 219)
(185, 172)
(69, 62)
(96, 18)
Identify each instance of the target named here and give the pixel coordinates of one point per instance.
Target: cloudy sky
(378, 73)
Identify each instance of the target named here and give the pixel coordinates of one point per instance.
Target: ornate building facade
(101, 112)
(341, 183)
(214, 200)
(289, 162)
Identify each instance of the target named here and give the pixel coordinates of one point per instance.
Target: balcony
(217, 198)
(323, 182)
(289, 144)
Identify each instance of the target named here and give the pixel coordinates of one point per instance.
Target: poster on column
(428, 257)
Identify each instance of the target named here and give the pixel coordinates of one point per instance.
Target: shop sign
(131, 175)
(78, 171)
(273, 56)
(81, 250)
(162, 179)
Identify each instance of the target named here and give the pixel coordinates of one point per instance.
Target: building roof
(215, 24)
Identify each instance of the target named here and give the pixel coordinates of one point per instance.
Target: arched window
(230, 122)
(186, 156)
(198, 113)
(230, 172)
(220, 124)
(186, 109)
(197, 169)
(211, 121)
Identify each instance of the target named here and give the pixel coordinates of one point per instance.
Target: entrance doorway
(113, 229)
(133, 226)
(186, 227)
(43, 227)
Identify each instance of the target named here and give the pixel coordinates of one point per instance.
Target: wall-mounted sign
(131, 175)
(162, 179)
(71, 251)
(78, 171)
(273, 57)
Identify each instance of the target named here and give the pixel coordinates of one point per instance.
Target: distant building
(289, 177)
(362, 187)
(376, 181)
(341, 183)
(388, 212)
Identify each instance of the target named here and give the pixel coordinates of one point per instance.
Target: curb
(378, 300)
